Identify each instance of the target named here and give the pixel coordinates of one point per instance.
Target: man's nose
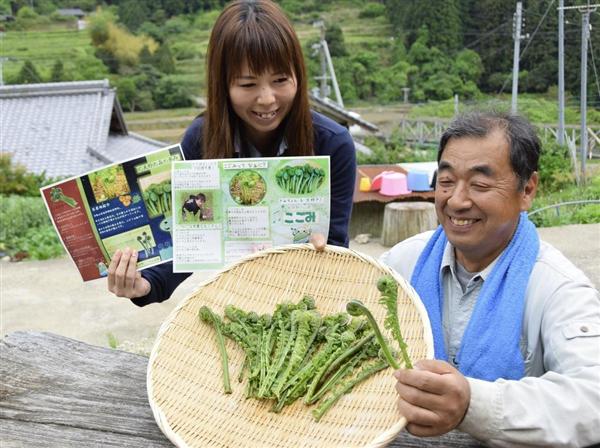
(459, 198)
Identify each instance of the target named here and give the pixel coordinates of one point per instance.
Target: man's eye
(445, 182)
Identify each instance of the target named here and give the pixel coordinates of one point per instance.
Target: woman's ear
(529, 191)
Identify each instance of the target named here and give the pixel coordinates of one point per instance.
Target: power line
(528, 43)
(594, 66)
(536, 29)
(489, 33)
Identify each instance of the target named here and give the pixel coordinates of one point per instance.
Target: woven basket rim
(382, 439)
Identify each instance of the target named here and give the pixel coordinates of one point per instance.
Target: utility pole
(585, 32)
(561, 73)
(585, 11)
(326, 63)
(323, 91)
(516, 51)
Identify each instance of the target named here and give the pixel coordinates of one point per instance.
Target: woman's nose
(266, 96)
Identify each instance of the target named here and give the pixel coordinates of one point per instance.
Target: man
(516, 326)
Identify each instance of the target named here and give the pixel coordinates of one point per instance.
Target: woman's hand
(434, 397)
(123, 278)
(319, 241)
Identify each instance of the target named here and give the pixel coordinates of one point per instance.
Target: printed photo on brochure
(126, 204)
(226, 209)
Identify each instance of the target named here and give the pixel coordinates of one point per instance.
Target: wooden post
(402, 220)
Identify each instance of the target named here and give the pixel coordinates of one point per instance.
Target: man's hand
(123, 278)
(434, 397)
(319, 241)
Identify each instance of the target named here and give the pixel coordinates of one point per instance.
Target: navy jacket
(331, 139)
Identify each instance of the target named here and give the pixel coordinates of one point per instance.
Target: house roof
(71, 12)
(339, 114)
(66, 128)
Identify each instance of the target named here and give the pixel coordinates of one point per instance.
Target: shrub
(372, 10)
(15, 180)
(26, 227)
(555, 169)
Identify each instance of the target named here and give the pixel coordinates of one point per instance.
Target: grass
(537, 108)
(44, 49)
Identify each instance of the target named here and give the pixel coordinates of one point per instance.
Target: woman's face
(262, 101)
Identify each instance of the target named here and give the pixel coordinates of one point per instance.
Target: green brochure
(226, 209)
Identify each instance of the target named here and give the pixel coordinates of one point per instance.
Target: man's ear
(529, 191)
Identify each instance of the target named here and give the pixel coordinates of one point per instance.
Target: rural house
(66, 128)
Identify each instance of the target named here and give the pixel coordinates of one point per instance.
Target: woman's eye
(247, 85)
(281, 80)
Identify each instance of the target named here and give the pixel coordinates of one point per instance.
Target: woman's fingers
(319, 241)
(122, 273)
(130, 273)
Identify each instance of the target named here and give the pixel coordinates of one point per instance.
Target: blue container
(418, 181)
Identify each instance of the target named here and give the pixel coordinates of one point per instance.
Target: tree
(58, 72)
(132, 13)
(164, 59)
(335, 40)
(171, 94)
(28, 74)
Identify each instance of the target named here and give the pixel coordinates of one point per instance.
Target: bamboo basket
(184, 378)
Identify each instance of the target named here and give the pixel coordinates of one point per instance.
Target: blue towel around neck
(490, 345)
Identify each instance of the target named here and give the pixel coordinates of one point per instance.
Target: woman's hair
(259, 33)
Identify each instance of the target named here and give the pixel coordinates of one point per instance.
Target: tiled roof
(66, 128)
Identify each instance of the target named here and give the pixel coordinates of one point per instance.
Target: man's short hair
(522, 138)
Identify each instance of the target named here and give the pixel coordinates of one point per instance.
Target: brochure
(126, 204)
(226, 209)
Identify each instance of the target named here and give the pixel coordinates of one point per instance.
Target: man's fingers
(422, 431)
(416, 414)
(435, 366)
(418, 397)
(422, 380)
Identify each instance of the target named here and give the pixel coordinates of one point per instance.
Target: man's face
(477, 198)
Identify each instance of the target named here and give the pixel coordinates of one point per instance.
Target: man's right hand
(123, 278)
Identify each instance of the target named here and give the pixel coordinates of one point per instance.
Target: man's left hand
(434, 397)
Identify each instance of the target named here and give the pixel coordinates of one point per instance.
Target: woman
(257, 106)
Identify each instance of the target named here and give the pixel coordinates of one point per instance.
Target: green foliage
(335, 40)
(112, 341)
(40, 243)
(555, 167)
(15, 180)
(170, 94)
(372, 10)
(5, 7)
(28, 74)
(25, 227)
(58, 72)
(438, 76)
(163, 59)
(132, 14)
(393, 151)
(568, 214)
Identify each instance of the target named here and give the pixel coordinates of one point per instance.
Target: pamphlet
(126, 204)
(226, 209)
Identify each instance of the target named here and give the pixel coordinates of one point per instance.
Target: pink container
(393, 184)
